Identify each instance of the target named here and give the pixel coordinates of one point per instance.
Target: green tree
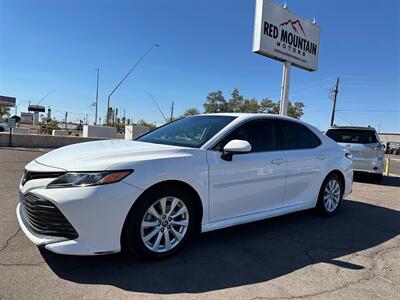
(191, 112)
(296, 110)
(4, 111)
(269, 107)
(215, 103)
(251, 106)
(16, 118)
(144, 123)
(237, 102)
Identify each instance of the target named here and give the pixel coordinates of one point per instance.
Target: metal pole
(172, 111)
(9, 138)
(127, 74)
(285, 88)
(335, 92)
(97, 97)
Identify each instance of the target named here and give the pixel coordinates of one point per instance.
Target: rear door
(251, 182)
(304, 162)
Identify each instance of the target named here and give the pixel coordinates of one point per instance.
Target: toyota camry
(197, 174)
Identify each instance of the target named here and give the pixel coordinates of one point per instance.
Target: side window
(296, 136)
(259, 133)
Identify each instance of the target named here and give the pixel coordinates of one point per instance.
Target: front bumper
(97, 213)
(374, 165)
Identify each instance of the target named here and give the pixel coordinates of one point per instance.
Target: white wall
(133, 131)
(389, 137)
(60, 132)
(21, 130)
(99, 131)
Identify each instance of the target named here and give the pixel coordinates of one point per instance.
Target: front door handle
(321, 157)
(277, 161)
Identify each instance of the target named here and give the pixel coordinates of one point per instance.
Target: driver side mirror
(235, 147)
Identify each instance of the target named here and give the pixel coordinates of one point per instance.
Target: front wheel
(330, 195)
(161, 224)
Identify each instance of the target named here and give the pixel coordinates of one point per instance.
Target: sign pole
(284, 102)
(9, 138)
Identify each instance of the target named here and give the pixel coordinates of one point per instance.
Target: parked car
(3, 127)
(364, 145)
(199, 173)
(393, 148)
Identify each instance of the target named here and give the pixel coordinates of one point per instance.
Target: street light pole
(122, 80)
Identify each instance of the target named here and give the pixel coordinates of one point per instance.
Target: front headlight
(80, 179)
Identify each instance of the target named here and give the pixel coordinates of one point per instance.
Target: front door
(251, 182)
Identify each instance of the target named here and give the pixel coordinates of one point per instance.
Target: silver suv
(364, 145)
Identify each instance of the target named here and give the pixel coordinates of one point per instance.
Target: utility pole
(66, 116)
(97, 96)
(124, 116)
(172, 111)
(334, 95)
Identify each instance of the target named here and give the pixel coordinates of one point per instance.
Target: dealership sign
(9, 101)
(26, 118)
(282, 35)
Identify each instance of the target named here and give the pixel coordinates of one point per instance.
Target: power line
(370, 110)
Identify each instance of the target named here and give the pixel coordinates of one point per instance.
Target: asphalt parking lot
(354, 255)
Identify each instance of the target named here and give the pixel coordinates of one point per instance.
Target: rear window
(352, 136)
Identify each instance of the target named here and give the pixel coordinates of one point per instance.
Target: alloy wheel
(332, 195)
(164, 224)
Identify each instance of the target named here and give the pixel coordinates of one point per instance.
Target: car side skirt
(255, 217)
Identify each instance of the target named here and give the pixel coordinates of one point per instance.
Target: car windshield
(352, 136)
(188, 132)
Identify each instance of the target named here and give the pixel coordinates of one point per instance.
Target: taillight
(348, 155)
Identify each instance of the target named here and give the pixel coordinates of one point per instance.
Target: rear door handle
(277, 161)
(321, 157)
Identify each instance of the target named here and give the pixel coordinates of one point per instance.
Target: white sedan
(199, 173)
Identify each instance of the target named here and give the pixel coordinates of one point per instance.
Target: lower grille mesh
(44, 218)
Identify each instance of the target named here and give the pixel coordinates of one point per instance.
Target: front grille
(40, 175)
(44, 218)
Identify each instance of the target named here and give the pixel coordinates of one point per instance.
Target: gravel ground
(354, 255)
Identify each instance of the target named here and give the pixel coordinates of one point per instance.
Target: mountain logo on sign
(295, 25)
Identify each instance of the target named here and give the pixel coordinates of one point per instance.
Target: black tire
(321, 206)
(1, 129)
(377, 178)
(133, 242)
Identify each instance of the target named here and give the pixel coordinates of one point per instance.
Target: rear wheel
(161, 224)
(330, 195)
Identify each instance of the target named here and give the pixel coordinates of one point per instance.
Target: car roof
(250, 115)
(353, 127)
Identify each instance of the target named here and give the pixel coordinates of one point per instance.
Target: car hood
(103, 155)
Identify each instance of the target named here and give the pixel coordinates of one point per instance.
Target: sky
(204, 46)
